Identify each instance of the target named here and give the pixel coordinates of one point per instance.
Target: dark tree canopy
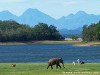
(74, 37)
(91, 32)
(13, 31)
(44, 32)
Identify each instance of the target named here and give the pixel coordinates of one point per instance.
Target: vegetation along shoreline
(13, 33)
(74, 43)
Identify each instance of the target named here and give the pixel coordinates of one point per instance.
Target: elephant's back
(53, 60)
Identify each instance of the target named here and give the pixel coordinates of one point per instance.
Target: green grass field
(40, 69)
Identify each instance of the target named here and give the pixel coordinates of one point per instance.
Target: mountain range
(74, 22)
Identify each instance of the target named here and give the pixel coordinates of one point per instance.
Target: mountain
(68, 31)
(6, 15)
(34, 16)
(79, 19)
(30, 17)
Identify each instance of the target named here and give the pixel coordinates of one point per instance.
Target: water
(42, 53)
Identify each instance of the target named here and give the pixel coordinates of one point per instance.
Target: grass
(57, 42)
(40, 42)
(73, 42)
(40, 69)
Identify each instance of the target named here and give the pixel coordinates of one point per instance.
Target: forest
(91, 32)
(12, 31)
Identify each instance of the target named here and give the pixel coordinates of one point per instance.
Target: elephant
(55, 61)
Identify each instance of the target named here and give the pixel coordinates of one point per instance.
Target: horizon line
(48, 14)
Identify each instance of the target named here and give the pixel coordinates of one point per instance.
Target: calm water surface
(41, 53)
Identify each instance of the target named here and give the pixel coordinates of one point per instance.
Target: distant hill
(73, 31)
(6, 15)
(34, 16)
(30, 17)
(77, 20)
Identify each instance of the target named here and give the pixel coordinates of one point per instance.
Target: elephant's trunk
(63, 65)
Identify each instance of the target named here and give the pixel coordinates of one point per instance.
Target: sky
(54, 8)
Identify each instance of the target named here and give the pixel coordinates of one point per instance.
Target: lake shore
(73, 42)
(15, 43)
(39, 42)
(88, 44)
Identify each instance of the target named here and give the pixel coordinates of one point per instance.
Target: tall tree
(91, 32)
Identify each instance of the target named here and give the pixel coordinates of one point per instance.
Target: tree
(98, 31)
(13, 31)
(91, 32)
(85, 33)
(74, 37)
(44, 32)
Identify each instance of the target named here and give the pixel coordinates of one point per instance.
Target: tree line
(12, 31)
(91, 32)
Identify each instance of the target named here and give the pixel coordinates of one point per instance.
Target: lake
(43, 52)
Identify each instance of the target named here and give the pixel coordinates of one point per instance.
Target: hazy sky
(54, 8)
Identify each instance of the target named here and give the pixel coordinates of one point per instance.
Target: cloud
(10, 1)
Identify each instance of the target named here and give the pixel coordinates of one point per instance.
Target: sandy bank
(88, 44)
(39, 42)
(15, 43)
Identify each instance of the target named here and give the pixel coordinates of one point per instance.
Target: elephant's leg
(59, 66)
(56, 66)
(51, 67)
(48, 66)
